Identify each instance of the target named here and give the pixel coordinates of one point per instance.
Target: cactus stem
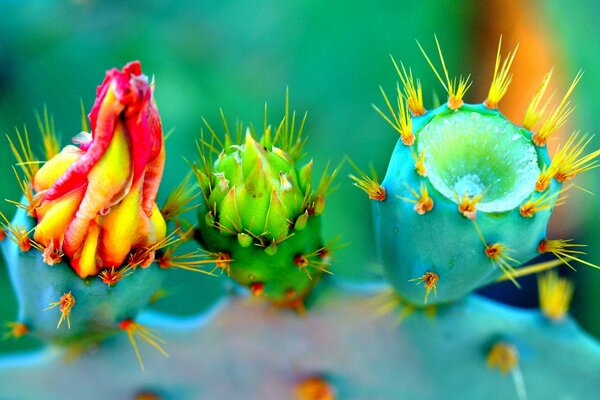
(419, 162)
(314, 387)
(456, 88)
(423, 203)
(133, 330)
(557, 117)
(15, 330)
(400, 120)
(502, 78)
(467, 205)
(19, 235)
(412, 92)
(430, 279)
(555, 294)
(178, 200)
(569, 160)
(565, 251)
(534, 112)
(544, 202)
(50, 141)
(24, 155)
(65, 304)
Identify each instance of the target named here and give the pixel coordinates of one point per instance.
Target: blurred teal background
(332, 55)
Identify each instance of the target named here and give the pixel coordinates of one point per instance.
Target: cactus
(260, 217)
(339, 348)
(449, 219)
(94, 219)
(468, 194)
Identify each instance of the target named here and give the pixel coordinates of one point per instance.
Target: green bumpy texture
(98, 308)
(263, 214)
(473, 150)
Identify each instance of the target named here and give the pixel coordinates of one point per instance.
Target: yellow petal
(56, 216)
(84, 262)
(55, 167)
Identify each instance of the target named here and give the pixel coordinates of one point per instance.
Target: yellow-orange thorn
(555, 294)
(192, 261)
(50, 141)
(178, 200)
(534, 112)
(557, 117)
(543, 202)
(315, 388)
(370, 186)
(51, 254)
(24, 155)
(400, 120)
(133, 330)
(498, 254)
(569, 160)
(65, 304)
(419, 162)
(423, 203)
(111, 276)
(412, 92)
(19, 235)
(503, 356)
(15, 330)
(545, 177)
(456, 88)
(31, 201)
(223, 261)
(565, 250)
(467, 205)
(430, 279)
(501, 79)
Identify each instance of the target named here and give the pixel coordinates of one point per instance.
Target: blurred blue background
(333, 55)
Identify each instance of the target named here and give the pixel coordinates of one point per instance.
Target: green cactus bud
(261, 198)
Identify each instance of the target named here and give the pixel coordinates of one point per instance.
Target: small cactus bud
(268, 202)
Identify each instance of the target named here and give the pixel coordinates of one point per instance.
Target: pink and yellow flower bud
(96, 202)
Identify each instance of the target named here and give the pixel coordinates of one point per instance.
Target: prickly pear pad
(491, 164)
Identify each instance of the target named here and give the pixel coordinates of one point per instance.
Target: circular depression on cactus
(478, 154)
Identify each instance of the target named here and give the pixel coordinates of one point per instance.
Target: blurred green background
(332, 55)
